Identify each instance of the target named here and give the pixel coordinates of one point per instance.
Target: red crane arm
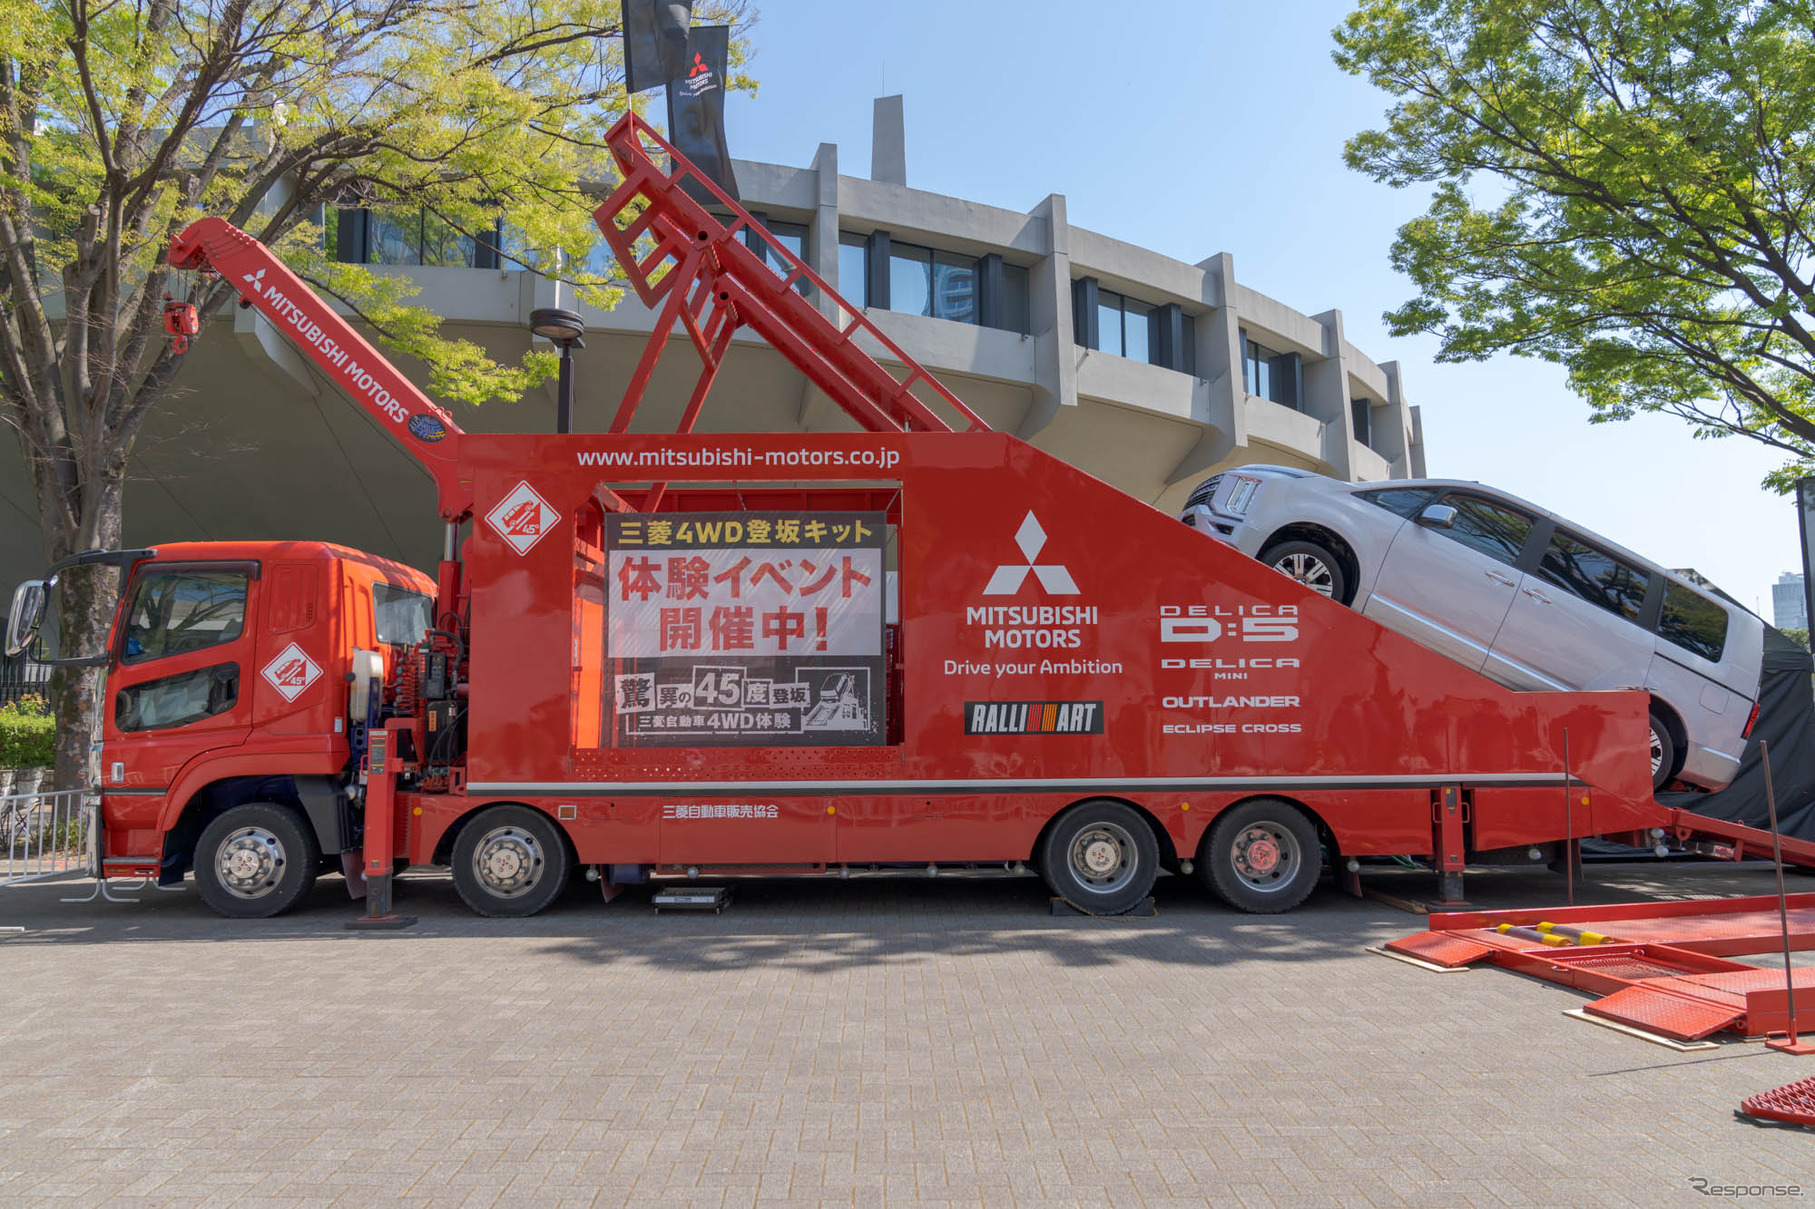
(424, 430)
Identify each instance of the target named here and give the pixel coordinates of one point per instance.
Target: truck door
(1451, 588)
(179, 684)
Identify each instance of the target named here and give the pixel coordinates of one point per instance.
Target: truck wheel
(255, 861)
(509, 861)
(1311, 565)
(1261, 856)
(1663, 753)
(1100, 856)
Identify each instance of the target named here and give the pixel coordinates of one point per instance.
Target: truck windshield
(175, 612)
(400, 616)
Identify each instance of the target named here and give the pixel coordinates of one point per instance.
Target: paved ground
(864, 1042)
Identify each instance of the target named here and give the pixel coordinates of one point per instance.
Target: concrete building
(1789, 603)
(1148, 372)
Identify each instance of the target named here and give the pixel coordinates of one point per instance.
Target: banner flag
(696, 110)
(655, 42)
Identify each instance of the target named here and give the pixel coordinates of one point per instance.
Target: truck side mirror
(1438, 516)
(26, 616)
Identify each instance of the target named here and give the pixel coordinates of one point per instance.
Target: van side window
(1693, 622)
(1492, 528)
(1597, 577)
(1400, 501)
(182, 611)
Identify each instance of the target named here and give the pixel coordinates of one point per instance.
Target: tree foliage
(1621, 187)
(122, 122)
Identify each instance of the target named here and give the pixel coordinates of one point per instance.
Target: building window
(854, 269)
(1271, 375)
(404, 236)
(932, 282)
(1115, 323)
(1361, 411)
(1014, 314)
(910, 279)
(792, 236)
(955, 287)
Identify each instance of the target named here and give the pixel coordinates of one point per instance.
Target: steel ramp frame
(1665, 969)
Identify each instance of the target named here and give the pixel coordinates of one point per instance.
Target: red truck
(917, 644)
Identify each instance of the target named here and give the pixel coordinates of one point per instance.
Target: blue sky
(1227, 137)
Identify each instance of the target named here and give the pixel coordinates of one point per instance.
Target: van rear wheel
(1663, 753)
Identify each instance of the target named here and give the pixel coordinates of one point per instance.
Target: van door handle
(1498, 578)
(1537, 596)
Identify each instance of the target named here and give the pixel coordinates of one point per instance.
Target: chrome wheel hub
(1103, 857)
(1265, 856)
(250, 862)
(508, 861)
(1657, 752)
(1308, 570)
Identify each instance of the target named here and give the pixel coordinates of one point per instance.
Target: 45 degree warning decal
(291, 673)
(522, 518)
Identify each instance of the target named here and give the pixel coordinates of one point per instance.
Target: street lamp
(563, 327)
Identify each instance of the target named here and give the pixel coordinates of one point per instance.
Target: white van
(1511, 591)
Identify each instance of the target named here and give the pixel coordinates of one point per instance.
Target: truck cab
(239, 682)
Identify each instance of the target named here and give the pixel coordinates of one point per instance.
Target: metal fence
(19, 676)
(47, 835)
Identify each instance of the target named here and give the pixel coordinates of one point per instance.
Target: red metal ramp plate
(1793, 1102)
(1441, 948)
(1657, 1010)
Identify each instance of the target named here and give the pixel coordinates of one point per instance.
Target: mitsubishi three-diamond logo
(256, 280)
(1054, 579)
(522, 518)
(292, 672)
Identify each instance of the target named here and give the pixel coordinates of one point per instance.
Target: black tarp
(1786, 721)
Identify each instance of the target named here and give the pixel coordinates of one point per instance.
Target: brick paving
(868, 1042)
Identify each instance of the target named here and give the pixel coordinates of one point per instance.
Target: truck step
(693, 898)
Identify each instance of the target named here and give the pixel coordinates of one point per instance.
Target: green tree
(120, 123)
(1621, 187)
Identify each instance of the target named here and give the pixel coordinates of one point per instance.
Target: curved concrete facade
(254, 444)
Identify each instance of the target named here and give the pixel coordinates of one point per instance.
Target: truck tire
(1262, 856)
(510, 861)
(256, 860)
(1311, 565)
(1663, 753)
(1100, 856)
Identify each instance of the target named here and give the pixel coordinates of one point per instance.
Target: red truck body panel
(1355, 721)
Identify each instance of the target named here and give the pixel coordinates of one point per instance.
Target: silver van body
(1512, 591)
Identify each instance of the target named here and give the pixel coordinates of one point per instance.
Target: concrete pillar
(1218, 401)
(1049, 315)
(1417, 450)
(1392, 427)
(888, 142)
(822, 257)
(822, 234)
(1326, 397)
